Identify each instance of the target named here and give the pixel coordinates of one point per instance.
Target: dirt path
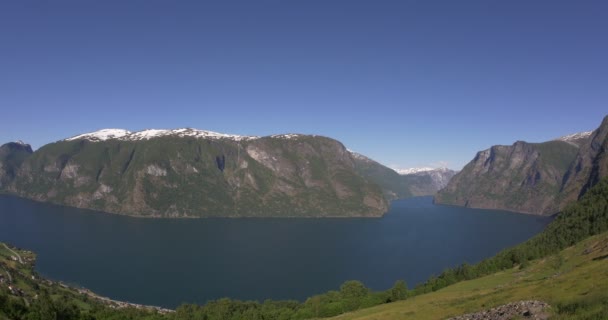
(15, 253)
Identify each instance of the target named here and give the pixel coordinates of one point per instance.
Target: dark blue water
(167, 262)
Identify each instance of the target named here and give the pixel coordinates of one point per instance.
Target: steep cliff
(194, 173)
(524, 177)
(537, 178)
(12, 154)
(590, 165)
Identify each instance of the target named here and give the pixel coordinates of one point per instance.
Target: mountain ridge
(192, 173)
(534, 178)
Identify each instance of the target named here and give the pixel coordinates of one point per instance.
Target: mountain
(412, 183)
(577, 139)
(12, 154)
(536, 178)
(414, 170)
(427, 181)
(196, 173)
(590, 165)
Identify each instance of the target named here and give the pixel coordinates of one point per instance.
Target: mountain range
(535, 178)
(196, 173)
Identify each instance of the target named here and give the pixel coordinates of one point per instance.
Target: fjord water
(167, 262)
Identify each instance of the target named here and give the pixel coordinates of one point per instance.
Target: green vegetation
(585, 218)
(170, 176)
(574, 282)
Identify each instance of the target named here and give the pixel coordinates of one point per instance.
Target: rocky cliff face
(537, 178)
(590, 165)
(12, 155)
(192, 174)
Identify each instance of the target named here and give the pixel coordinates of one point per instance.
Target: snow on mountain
(20, 142)
(287, 136)
(575, 136)
(414, 170)
(185, 132)
(439, 176)
(101, 135)
(122, 134)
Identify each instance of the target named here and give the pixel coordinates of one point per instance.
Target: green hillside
(574, 282)
(182, 176)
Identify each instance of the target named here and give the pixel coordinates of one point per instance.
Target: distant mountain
(414, 170)
(194, 173)
(408, 183)
(537, 178)
(439, 178)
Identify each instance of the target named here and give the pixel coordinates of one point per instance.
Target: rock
(156, 171)
(531, 309)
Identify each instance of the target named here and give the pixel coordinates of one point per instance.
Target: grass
(574, 282)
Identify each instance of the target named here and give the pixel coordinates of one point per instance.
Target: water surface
(166, 262)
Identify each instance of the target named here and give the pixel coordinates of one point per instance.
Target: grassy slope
(577, 276)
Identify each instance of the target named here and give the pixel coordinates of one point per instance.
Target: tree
(352, 293)
(398, 291)
(353, 289)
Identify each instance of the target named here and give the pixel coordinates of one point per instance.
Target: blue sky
(408, 83)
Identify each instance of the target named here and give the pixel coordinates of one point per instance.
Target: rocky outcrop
(198, 174)
(530, 309)
(536, 178)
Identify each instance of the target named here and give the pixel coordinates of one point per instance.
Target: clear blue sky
(408, 83)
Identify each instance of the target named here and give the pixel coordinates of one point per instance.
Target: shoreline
(117, 304)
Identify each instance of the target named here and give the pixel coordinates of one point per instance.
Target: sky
(407, 83)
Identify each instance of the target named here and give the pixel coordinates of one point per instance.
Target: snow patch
(126, 135)
(575, 136)
(101, 135)
(20, 142)
(287, 136)
(414, 170)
